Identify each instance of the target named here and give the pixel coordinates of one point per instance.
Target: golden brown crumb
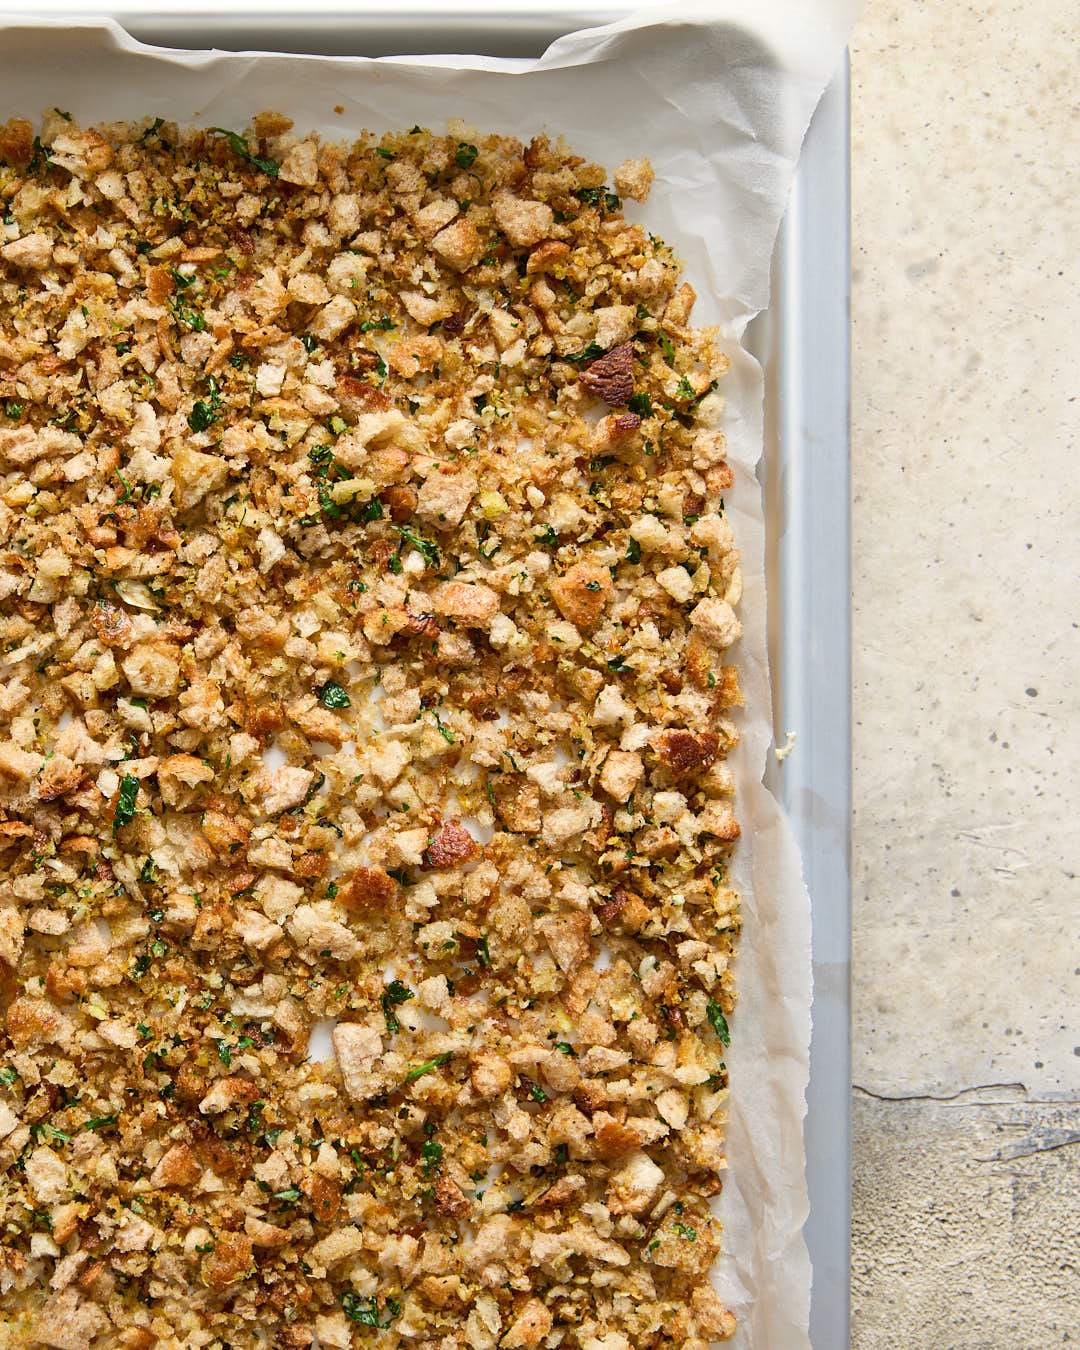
(366, 594)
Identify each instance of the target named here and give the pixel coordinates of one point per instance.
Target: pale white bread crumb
(523, 222)
(633, 178)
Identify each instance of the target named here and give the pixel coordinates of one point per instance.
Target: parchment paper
(719, 97)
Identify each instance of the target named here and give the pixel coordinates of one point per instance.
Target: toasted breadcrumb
(364, 591)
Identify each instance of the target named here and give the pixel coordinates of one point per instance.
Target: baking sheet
(720, 104)
(803, 343)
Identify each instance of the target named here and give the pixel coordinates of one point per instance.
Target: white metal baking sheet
(802, 342)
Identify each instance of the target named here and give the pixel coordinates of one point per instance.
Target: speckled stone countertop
(966, 1025)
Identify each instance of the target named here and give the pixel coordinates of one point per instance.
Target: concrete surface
(966, 315)
(965, 1231)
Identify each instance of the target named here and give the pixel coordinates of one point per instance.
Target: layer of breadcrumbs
(364, 599)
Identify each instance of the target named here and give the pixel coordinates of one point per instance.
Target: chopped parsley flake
(428, 1066)
(239, 146)
(332, 695)
(718, 1022)
(125, 802)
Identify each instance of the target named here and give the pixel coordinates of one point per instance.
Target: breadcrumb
(364, 581)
